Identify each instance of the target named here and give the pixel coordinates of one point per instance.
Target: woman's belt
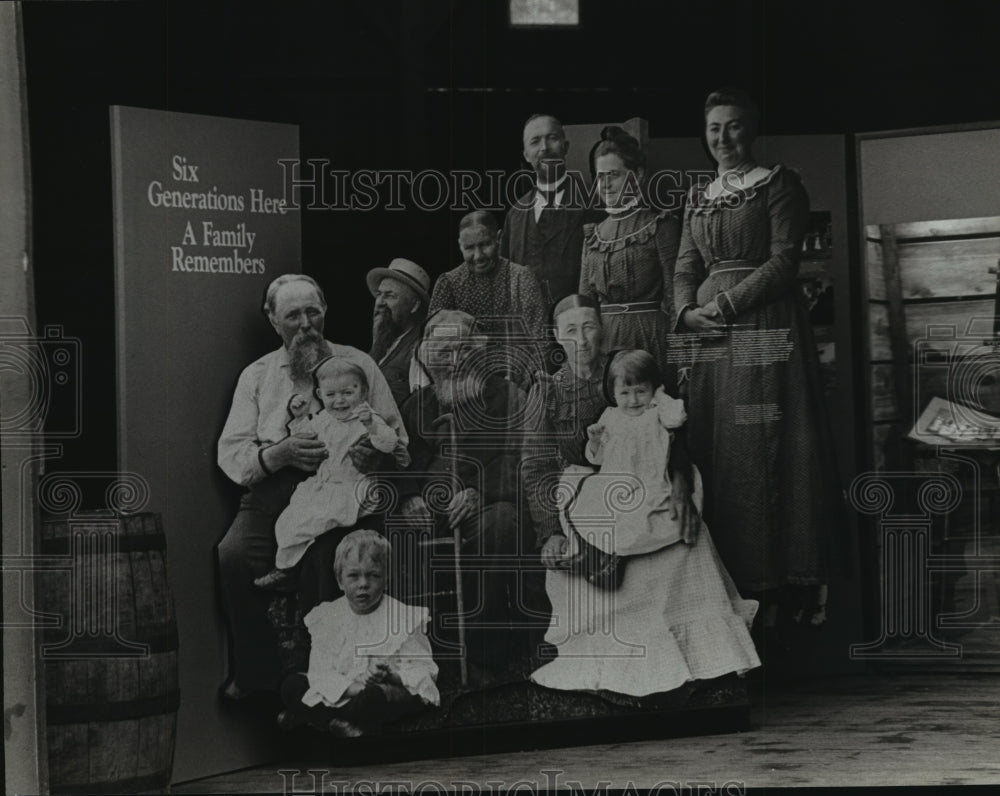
(733, 265)
(630, 308)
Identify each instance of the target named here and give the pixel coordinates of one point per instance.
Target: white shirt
(259, 411)
(557, 201)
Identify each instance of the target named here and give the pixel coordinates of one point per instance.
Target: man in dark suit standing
(544, 230)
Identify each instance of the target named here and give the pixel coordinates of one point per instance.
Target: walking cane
(448, 419)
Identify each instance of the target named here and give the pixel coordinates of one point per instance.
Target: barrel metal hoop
(114, 711)
(126, 543)
(157, 781)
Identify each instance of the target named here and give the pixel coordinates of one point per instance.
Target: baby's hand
(298, 405)
(354, 689)
(671, 410)
(365, 414)
(380, 673)
(595, 432)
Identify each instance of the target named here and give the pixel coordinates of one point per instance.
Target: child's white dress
(677, 615)
(346, 646)
(627, 510)
(330, 497)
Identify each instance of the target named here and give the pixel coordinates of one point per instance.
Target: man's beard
(384, 331)
(306, 351)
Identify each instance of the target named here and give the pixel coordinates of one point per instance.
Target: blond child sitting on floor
(371, 660)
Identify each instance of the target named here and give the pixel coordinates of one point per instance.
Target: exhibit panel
(201, 228)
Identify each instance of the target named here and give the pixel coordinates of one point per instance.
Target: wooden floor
(872, 729)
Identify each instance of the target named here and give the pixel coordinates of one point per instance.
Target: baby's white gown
(627, 510)
(330, 497)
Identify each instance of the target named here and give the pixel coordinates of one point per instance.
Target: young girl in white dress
(632, 439)
(676, 615)
(331, 497)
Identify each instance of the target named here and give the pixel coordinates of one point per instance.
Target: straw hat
(405, 271)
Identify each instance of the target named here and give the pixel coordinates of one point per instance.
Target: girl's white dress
(346, 646)
(677, 615)
(627, 510)
(330, 497)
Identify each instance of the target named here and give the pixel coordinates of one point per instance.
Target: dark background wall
(446, 85)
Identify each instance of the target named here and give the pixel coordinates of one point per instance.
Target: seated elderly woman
(674, 615)
(503, 297)
(465, 442)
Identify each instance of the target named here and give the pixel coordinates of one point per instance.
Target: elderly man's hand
(414, 507)
(464, 505)
(554, 551)
(364, 457)
(302, 450)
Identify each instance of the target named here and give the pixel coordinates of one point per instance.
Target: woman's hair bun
(610, 131)
(619, 136)
(615, 140)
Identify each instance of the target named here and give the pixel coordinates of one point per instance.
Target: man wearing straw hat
(402, 294)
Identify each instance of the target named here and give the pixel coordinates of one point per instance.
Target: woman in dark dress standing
(757, 425)
(628, 259)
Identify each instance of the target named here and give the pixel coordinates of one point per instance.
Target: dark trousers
(246, 552)
(501, 606)
(377, 705)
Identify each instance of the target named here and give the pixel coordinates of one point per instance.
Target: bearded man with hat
(402, 294)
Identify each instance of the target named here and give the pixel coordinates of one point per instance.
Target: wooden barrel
(111, 657)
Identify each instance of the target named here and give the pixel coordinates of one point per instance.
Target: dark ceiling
(817, 67)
